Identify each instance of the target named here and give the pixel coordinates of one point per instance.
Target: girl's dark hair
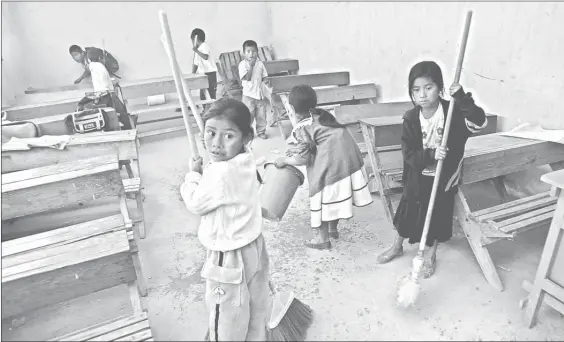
(304, 100)
(428, 69)
(234, 111)
(200, 33)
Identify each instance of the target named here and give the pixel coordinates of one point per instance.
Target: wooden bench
(384, 151)
(124, 328)
(48, 267)
(490, 157)
(228, 66)
(82, 146)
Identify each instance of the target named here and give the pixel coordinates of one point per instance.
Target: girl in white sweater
(226, 195)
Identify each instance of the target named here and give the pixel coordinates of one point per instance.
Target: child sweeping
(226, 195)
(333, 162)
(422, 132)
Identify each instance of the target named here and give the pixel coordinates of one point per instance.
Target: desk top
(555, 178)
(392, 120)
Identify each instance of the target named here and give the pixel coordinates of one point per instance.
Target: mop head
(289, 320)
(409, 286)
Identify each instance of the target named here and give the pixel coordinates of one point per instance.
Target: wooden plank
(57, 173)
(521, 208)
(130, 89)
(283, 84)
(281, 65)
(524, 200)
(353, 113)
(526, 224)
(124, 331)
(346, 93)
(58, 236)
(555, 178)
(80, 146)
(493, 155)
(40, 191)
(90, 265)
(139, 336)
(102, 328)
(80, 86)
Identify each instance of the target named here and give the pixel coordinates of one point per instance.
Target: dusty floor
(352, 296)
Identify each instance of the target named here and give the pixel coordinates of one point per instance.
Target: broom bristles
(294, 324)
(408, 292)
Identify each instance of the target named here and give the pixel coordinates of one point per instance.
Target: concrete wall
(519, 43)
(129, 30)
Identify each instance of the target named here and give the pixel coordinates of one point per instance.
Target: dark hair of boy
(250, 43)
(200, 33)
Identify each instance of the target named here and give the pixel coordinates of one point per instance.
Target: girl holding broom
(226, 195)
(334, 166)
(422, 132)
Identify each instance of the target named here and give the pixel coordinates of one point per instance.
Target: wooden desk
(548, 286)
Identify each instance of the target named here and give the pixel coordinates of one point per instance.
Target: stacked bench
(46, 267)
(333, 90)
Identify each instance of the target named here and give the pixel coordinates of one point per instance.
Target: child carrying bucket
(333, 162)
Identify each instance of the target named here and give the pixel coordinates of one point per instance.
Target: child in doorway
(422, 133)
(226, 195)
(333, 162)
(204, 62)
(253, 73)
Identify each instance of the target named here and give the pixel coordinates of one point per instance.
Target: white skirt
(336, 201)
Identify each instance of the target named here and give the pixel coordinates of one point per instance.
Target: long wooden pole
(445, 136)
(178, 81)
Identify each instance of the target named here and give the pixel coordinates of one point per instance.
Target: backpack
(104, 57)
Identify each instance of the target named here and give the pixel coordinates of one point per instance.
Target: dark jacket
(102, 56)
(467, 118)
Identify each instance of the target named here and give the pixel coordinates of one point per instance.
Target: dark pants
(212, 81)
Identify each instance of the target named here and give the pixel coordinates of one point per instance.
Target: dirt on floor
(353, 297)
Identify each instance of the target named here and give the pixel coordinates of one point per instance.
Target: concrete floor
(352, 296)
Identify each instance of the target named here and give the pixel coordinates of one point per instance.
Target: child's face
(425, 92)
(223, 139)
(250, 52)
(77, 56)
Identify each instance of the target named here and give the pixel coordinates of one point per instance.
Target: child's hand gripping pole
(180, 85)
(409, 289)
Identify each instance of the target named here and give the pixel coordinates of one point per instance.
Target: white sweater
(226, 196)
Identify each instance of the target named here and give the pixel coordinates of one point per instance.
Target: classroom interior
(357, 56)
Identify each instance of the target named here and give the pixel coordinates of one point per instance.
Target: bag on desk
(18, 129)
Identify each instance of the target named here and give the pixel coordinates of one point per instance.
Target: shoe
(428, 271)
(389, 255)
(334, 234)
(262, 136)
(321, 246)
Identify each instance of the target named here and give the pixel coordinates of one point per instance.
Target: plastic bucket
(278, 189)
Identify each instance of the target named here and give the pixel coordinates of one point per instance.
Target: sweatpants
(237, 292)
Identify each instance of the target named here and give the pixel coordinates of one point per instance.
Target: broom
(289, 317)
(181, 87)
(409, 287)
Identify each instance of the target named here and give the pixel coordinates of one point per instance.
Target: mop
(289, 318)
(409, 287)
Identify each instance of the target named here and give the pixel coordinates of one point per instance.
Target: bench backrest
(283, 84)
(229, 62)
(282, 66)
(58, 186)
(79, 147)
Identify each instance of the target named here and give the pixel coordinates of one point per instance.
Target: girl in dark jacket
(422, 133)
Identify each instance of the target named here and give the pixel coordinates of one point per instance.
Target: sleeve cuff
(192, 177)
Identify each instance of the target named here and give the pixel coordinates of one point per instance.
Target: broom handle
(178, 83)
(445, 136)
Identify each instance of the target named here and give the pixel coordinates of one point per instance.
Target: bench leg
(141, 224)
(134, 297)
(474, 236)
(537, 293)
(141, 283)
(500, 187)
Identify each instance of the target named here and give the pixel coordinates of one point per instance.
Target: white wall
(520, 43)
(129, 30)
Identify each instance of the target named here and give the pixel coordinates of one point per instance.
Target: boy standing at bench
(203, 62)
(253, 73)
